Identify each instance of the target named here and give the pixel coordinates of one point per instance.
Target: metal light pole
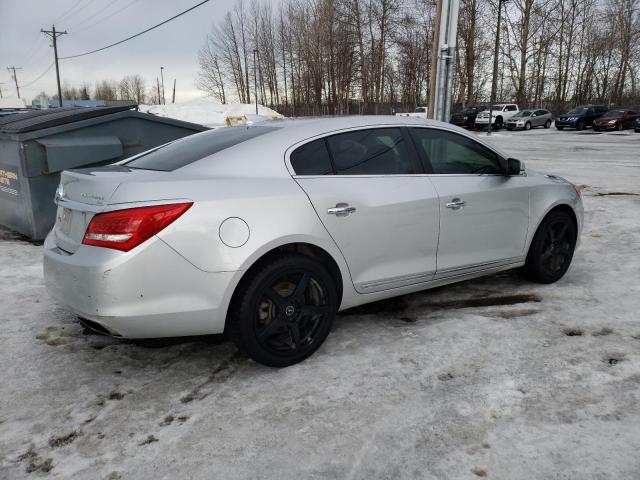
(162, 81)
(255, 79)
(444, 63)
(494, 80)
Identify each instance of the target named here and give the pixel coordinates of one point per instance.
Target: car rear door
(484, 214)
(369, 191)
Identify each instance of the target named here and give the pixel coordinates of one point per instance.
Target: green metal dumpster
(36, 146)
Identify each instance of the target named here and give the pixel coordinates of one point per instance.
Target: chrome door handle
(456, 204)
(341, 210)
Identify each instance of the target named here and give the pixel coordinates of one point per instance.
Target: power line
(93, 15)
(15, 77)
(67, 12)
(104, 19)
(39, 76)
(137, 34)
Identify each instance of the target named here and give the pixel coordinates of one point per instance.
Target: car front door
(375, 202)
(484, 214)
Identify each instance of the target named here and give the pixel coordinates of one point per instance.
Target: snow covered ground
(207, 112)
(495, 378)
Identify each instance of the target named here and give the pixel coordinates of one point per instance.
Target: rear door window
(450, 153)
(312, 159)
(379, 151)
(195, 147)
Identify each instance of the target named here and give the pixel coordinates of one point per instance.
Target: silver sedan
(265, 232)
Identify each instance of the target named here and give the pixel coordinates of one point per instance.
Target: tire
(560, 128)
(498, 123)
(580, 125)
(595, 129)
(619, 127)
(510, 129)
(548, 124)
(552, 248)
(637, 130)
(283, 311)
(527, 126)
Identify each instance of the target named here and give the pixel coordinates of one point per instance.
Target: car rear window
(190, 149)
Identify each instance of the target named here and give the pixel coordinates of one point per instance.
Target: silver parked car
(527, 119)
(265, 232)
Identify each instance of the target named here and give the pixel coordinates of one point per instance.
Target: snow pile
(209, 113)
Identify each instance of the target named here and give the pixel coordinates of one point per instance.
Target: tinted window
(523, 113)
(511, 108)
(541, 112)
(614, 114)
(312, 159)
(577, 111)
(454, 154)
(190, 149)
(380, 151)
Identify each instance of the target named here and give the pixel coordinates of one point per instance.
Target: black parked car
(636, 127)
(580, 117)
(466, 117)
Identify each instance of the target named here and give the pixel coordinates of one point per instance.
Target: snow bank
(209, 113)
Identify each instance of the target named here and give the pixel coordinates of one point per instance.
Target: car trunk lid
(83, 193)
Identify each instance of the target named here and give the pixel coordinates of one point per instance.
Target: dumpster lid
(40, 119)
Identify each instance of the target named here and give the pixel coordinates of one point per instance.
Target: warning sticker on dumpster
(9, 181)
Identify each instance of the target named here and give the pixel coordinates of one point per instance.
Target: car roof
(264, 154)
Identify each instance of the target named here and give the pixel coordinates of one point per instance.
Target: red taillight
(126, 229)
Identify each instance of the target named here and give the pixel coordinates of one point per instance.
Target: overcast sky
(93, 24)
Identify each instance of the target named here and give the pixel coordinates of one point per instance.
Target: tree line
(130, 87)
(365, 56)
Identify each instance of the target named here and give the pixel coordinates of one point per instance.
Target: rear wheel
(552, 248)
(284, 311)
(498, 123)
(548, 124)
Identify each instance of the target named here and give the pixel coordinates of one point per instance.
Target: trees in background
(362, 56)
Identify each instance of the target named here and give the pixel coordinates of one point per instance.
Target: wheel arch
(301, 247)
(561, 206)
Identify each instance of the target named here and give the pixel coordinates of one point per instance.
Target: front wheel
(284, 311)
(619, 127)
(548, 124)
(527, 126)
(552, 248)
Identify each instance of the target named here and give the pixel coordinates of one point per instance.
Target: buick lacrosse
(266, 232)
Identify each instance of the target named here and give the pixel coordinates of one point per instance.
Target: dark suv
(466, 117)
(580, 117)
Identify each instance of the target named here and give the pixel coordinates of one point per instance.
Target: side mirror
(514, 167)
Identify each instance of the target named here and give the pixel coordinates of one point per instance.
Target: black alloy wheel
(552, 248)
(284, 311)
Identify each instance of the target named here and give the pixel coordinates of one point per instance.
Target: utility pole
(15, 77)
(173, 97)
(162, 78)
(158, 85)
(494, 80)
(434, 62)
(1, 83)
(255, 79)
(54, 36)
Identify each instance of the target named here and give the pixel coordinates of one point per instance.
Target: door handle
(341, 210)
(456, 204)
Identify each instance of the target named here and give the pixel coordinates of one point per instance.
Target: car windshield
(195, 147)
(614, 114)
(469, 110)
(497, 107)
(419, 110)
(578, 111)
(523, 113)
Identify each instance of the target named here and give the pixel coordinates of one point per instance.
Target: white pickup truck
(500, 114)
(420, 112)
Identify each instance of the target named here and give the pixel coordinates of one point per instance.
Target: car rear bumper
(148, 292)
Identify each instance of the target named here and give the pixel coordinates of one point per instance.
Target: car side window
(541, 112)
(590, 111)
(312, 159)
(379, 151)
(511, 108)
(450, 153)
